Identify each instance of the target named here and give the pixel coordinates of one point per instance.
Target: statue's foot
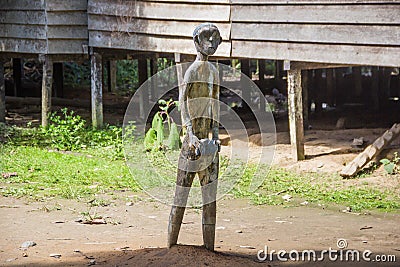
(209, 236)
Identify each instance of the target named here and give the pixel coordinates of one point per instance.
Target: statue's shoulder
(195, 70)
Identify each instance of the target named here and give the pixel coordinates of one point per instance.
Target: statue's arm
(215, 111)
(183, 98)
(186, 120)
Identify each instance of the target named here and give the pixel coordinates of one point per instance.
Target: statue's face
(208, 40)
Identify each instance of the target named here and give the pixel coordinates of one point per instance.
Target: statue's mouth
(211, 50)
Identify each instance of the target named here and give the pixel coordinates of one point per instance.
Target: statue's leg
(183, 183)
(209, 182)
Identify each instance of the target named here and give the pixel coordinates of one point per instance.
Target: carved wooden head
(207, 38)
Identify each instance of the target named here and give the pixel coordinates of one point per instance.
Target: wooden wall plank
(23, 31)
(345, 34)
(157, 10)
(65, 46)
(146, 26)
(192, 1)
(149, 43)
(346, 14)
(22, 45)
(23, 17)
(329, 2)
(67, 32)
(322, 53)
(62, 5)
(22, 4)
(67, 18)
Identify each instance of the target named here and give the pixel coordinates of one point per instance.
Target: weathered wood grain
(192, 1)
(23, 45)
(23, 31)
(345, 14)
(371, 151)
(320, 53)
(313, 2)
(63, 5)
(23, 17)
(67, 32)
(22, 4)
(47, 84)
(295, 110)
(158, 10)
(149, 26)
(66, 46)
(343, 34)
(2, 94)
(67, 18)
(149, 43)
(96, 71)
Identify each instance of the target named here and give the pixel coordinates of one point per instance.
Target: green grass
(73, 161)
(316, 189)
(43, 173)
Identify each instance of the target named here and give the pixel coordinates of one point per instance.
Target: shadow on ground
(191, 256)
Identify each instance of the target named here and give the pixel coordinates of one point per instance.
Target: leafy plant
(391, 166)
(155, 136)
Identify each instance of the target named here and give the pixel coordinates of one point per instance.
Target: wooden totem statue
(198, 99)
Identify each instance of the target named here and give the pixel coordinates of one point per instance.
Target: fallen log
(371, 151)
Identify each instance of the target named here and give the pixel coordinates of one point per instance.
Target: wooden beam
(112, 75)
(306, 105)
(357, 78)
(295, 105)
(47, 83)
(143, 76)
(371, 151)
(154, 83)
(2, 94)
(58, 79)
(330, 87)
(96, 72)
(375, 89)
(17, 75)
(245, 69)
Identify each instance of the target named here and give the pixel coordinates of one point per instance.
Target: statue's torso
(200, 79)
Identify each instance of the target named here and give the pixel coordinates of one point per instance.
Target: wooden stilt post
(2, 94)
(261, 79)
(318, 90)
(17, 75)
(357, 81)
(47, 83)
(261, 73)
(58, 79)
(113, 75)
(330, 89)
(295, 105)
(375, 89)
(245, 69)
(278, 69)
(143, 75)
(306, 105)
(153, 71)
(96, 71)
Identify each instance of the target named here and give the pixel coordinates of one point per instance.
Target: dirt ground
(135, 234)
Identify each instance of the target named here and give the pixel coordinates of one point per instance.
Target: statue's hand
(194, 145)
(218, 143)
